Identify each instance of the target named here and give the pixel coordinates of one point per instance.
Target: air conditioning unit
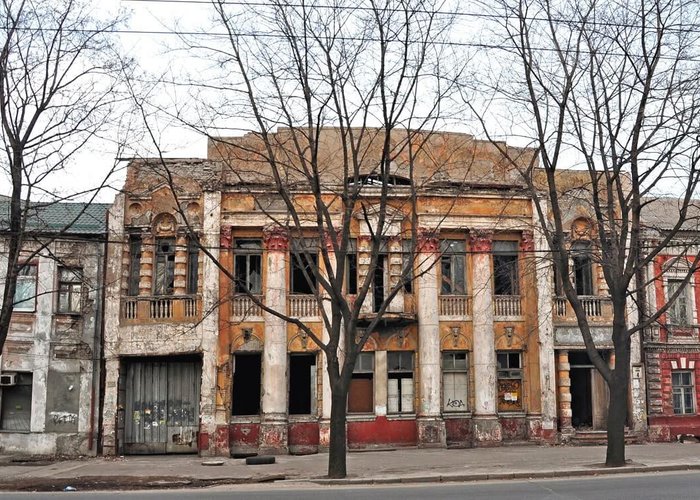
(8, 379)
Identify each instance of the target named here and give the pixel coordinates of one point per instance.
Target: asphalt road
(634, 487)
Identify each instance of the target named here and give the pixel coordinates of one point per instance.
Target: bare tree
(342, 102)
(611, 88)
(57, 90)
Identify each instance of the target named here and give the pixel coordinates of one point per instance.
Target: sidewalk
(372, 467)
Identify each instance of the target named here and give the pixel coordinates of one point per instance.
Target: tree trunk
(337, 450)
(617, 409)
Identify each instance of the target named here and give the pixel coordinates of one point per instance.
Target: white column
(637, 376)
(273, 428)
(326, 398)
(545, 329)
(431, 427)
(487, 428)
(209, 326)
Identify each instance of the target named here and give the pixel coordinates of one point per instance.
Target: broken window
(361, 392)
(70, 285)
(583, 268)
(192, 265)
(452, 267)
(510, 380)
(679, 311)
(25, 291)
(304, 259)
(247, 266)
(455, 381)
(246, 384)
(400, 379)
(302, 384)
(134, 264)
(164, 278)
(351, 268)
(683, 393)
(505, 268)
(16, 400)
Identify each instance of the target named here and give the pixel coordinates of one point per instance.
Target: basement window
(246, 384)
(302, 384)
(400, 380)
(361, 392)
(16, 399)
(455, 381)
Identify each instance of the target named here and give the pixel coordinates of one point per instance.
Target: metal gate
(162, 406)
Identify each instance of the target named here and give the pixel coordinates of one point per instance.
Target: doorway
(589, 393)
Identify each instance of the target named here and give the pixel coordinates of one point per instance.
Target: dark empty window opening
(453, 267)
(192, 265)
(505, 268)
(377, 180)
(304, 261)
(351, 268)
(164, 278)
(302, 384)
(134, 264)
(16, 397)
(379, 282)
(407, 258)
(246, 384)
(583, 268)
(247, 266)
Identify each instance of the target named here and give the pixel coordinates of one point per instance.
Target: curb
(503, 476)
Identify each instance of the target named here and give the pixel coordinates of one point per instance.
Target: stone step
(586, 437)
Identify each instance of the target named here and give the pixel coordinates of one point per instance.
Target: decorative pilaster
(180, 272)
(273, 425)
(487, 428)
(564, 386)
(325, 422)
(431, 427)
(146, 272)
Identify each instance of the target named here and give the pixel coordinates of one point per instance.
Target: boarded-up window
(16, 410)
(302, 384)
(510, 381)
(246, 384)
(455, 381)
(361, 393)
(400, 380)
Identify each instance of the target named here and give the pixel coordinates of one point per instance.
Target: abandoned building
(50, 364)
(479, 349)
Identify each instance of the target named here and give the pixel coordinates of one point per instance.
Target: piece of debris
(261, 460)
(244, 454)
(70, 488)
(213, 462)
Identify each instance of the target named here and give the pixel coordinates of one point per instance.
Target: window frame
(3, 402)
(77, 273)
(245, 255)
(363, 371)
(134, 273)
(351, 269)
(582, 268)
(166, 259)
(300, 249)
(453, 371)
(192, 283)
(682, 390)
(507, 373)
(448, 257)
(686, 294)
(507, 259)
(401, 373)
(21, 278)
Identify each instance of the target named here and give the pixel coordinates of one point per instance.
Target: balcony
(243, 307)
(455, 306)
(160, 309)
(302, 306)
(595, 307)
(507, 305)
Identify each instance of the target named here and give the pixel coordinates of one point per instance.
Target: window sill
(68, 314)
(456, 414)
(245, 419)
(8, 431)
(294, 419)
(512, 414)
(360, 417)
(401, 416)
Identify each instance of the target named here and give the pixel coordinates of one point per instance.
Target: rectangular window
(510, 381)
(247, 266)
(16, 410)
(583, 268)
(400, 380)
(302, 384)
(25, 292)
(361, 393)
(351, 268)
(407, 257)
(679, 311)
(164, 278)
(505, 268)
(134, 264)
(683, 393)
(192, 265)
(304, 259)
(455, 381)
(452, 267)
(70, 287)
(246, 384)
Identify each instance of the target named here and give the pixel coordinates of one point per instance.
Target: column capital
(225, 239)
(427, 240)
(276, 239)
(527, 241)
(328, 241)
(481, 240)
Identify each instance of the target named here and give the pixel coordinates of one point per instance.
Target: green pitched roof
(54, 217)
